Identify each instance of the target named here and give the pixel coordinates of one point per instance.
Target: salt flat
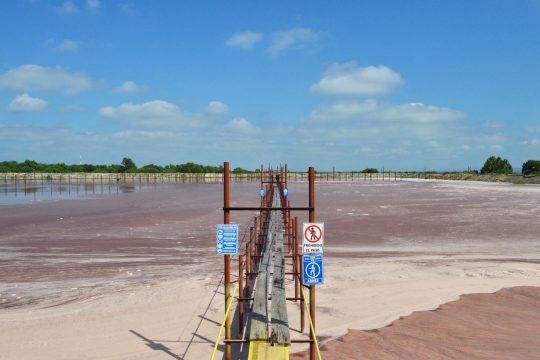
(135, 275)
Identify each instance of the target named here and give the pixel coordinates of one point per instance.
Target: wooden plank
(280, 323)
(277, 332)
(259, 316)
(261, 350)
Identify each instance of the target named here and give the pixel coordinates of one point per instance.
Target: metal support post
(227, 259)
(312, 350)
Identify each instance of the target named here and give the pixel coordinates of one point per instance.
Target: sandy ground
(502, 325)
(135, 275)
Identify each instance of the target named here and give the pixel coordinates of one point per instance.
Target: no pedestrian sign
(313, 238)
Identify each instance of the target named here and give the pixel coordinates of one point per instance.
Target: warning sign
(313, 238)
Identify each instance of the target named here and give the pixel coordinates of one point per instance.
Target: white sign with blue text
(312, 269)
(227, 239)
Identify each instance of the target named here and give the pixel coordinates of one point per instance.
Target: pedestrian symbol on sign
(312, 269)
(313, 239)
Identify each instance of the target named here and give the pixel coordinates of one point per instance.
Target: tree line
(127, 165)
(493, 165)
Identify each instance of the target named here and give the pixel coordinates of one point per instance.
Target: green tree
(531, 167)
(496, 165)
(369, 171)
(127, 165)
(151, 168)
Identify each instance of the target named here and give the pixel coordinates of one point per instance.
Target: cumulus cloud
(158, 114)
(38, 78)
(532, 142)
(417, 112)
(282, 40)
(129, 87)
(492, 125)
(534, 129)
(68, 45)
(342, 110)
(93, 4)
(244, 40)
(349, 79)
(216, 108)
(67, 7)
(242, 125)
(26, 103)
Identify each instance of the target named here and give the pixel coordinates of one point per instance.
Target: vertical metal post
(286, 175)
(260, 241)
(295, 262)
(312, 287)
(227, 259)
(241, 294)
(302, 306)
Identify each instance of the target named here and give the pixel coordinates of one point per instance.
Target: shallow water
(36, 191)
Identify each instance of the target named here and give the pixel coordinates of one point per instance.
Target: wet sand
(502, 325)
(144, 263)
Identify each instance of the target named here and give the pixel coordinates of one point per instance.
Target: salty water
(37, 191)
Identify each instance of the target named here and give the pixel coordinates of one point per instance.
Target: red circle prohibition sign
(313, 233)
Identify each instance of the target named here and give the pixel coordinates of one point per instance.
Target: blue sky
(408, 85)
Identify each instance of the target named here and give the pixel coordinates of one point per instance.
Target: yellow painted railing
(223, 322)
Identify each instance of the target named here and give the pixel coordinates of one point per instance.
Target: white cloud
(93, 4)
(244, 40)
(68, 45)
(534, 129)
(282, 40)
(532, 142)
(157, 114)
(26, 103)
(130, 134)
(349, 79)
(342, 110)
(129, 87)
(241, 125)
(492, 125)
(126, 8)
(68, 7)
(37, 78)
(417, 113)
(216, 108)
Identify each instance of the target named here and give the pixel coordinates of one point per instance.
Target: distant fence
(184, 178)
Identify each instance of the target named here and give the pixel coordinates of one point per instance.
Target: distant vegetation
(531, 167)
(127, 165)
(369, 171)
(496, 165)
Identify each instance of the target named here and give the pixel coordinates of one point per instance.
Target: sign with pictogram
(227, 239)
(313, 238)
(312, 269)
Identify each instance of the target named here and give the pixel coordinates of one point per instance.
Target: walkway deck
(269, 331)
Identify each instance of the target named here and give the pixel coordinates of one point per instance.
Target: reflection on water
(19, 192)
